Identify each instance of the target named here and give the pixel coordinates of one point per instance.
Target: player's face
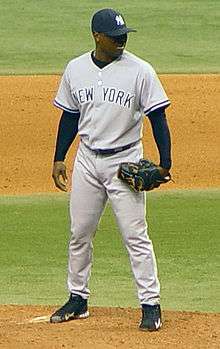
(111, 47)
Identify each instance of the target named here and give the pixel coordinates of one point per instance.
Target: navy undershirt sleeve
(67, 131)
(162, 136)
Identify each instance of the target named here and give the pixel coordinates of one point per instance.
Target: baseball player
(104, 95)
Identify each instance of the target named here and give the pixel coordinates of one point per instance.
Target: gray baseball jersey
(112, 100)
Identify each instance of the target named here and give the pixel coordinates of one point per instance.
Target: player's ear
(96, 36)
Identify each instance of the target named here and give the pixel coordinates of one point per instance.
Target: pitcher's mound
(28, 327)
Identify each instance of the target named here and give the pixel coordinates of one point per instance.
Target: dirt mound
(106, 328)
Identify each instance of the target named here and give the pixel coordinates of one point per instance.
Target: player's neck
(102, 56)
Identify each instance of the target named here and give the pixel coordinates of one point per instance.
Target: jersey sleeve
(64, 99)
(152, 94)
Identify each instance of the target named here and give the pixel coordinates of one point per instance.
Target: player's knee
(82, 233)
(136, 238)
(136, 228)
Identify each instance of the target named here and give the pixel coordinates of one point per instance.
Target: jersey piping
(157, 106)
(61, 106)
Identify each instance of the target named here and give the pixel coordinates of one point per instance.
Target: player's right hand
(59, 175)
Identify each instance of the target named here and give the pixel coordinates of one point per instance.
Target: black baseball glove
(144, 175)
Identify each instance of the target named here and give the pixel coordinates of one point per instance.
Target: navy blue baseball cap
(109, 22)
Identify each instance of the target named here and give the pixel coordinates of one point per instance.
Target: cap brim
(120, 31)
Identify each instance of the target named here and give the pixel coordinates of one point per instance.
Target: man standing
(104, 95)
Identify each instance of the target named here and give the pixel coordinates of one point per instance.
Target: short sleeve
(152, 94)
(64, 99)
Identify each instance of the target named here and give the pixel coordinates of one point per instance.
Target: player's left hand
(144, 175)
(163, 171)
(59, 172)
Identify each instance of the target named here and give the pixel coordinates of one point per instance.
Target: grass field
(184, 226)
(175, 36)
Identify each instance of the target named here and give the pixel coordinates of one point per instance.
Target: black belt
(115, 150)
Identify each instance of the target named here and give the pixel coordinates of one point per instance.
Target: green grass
(175, 36)
(184, 226)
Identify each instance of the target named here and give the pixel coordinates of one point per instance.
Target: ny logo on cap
(119, 20)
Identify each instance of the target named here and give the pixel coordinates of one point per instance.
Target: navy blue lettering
(127, 102)
(81, 96)
(89, 94)
(111, 96)
(119, 97)
(75, 97)
(105, 91)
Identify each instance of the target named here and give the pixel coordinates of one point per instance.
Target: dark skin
(59, 175)
(107, 50)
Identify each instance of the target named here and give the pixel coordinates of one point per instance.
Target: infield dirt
(28, 127)
(29, 122)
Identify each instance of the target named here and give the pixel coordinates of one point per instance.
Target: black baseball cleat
(75, 308)
(151, 318)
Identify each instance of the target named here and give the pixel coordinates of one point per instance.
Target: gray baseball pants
(94, 181)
